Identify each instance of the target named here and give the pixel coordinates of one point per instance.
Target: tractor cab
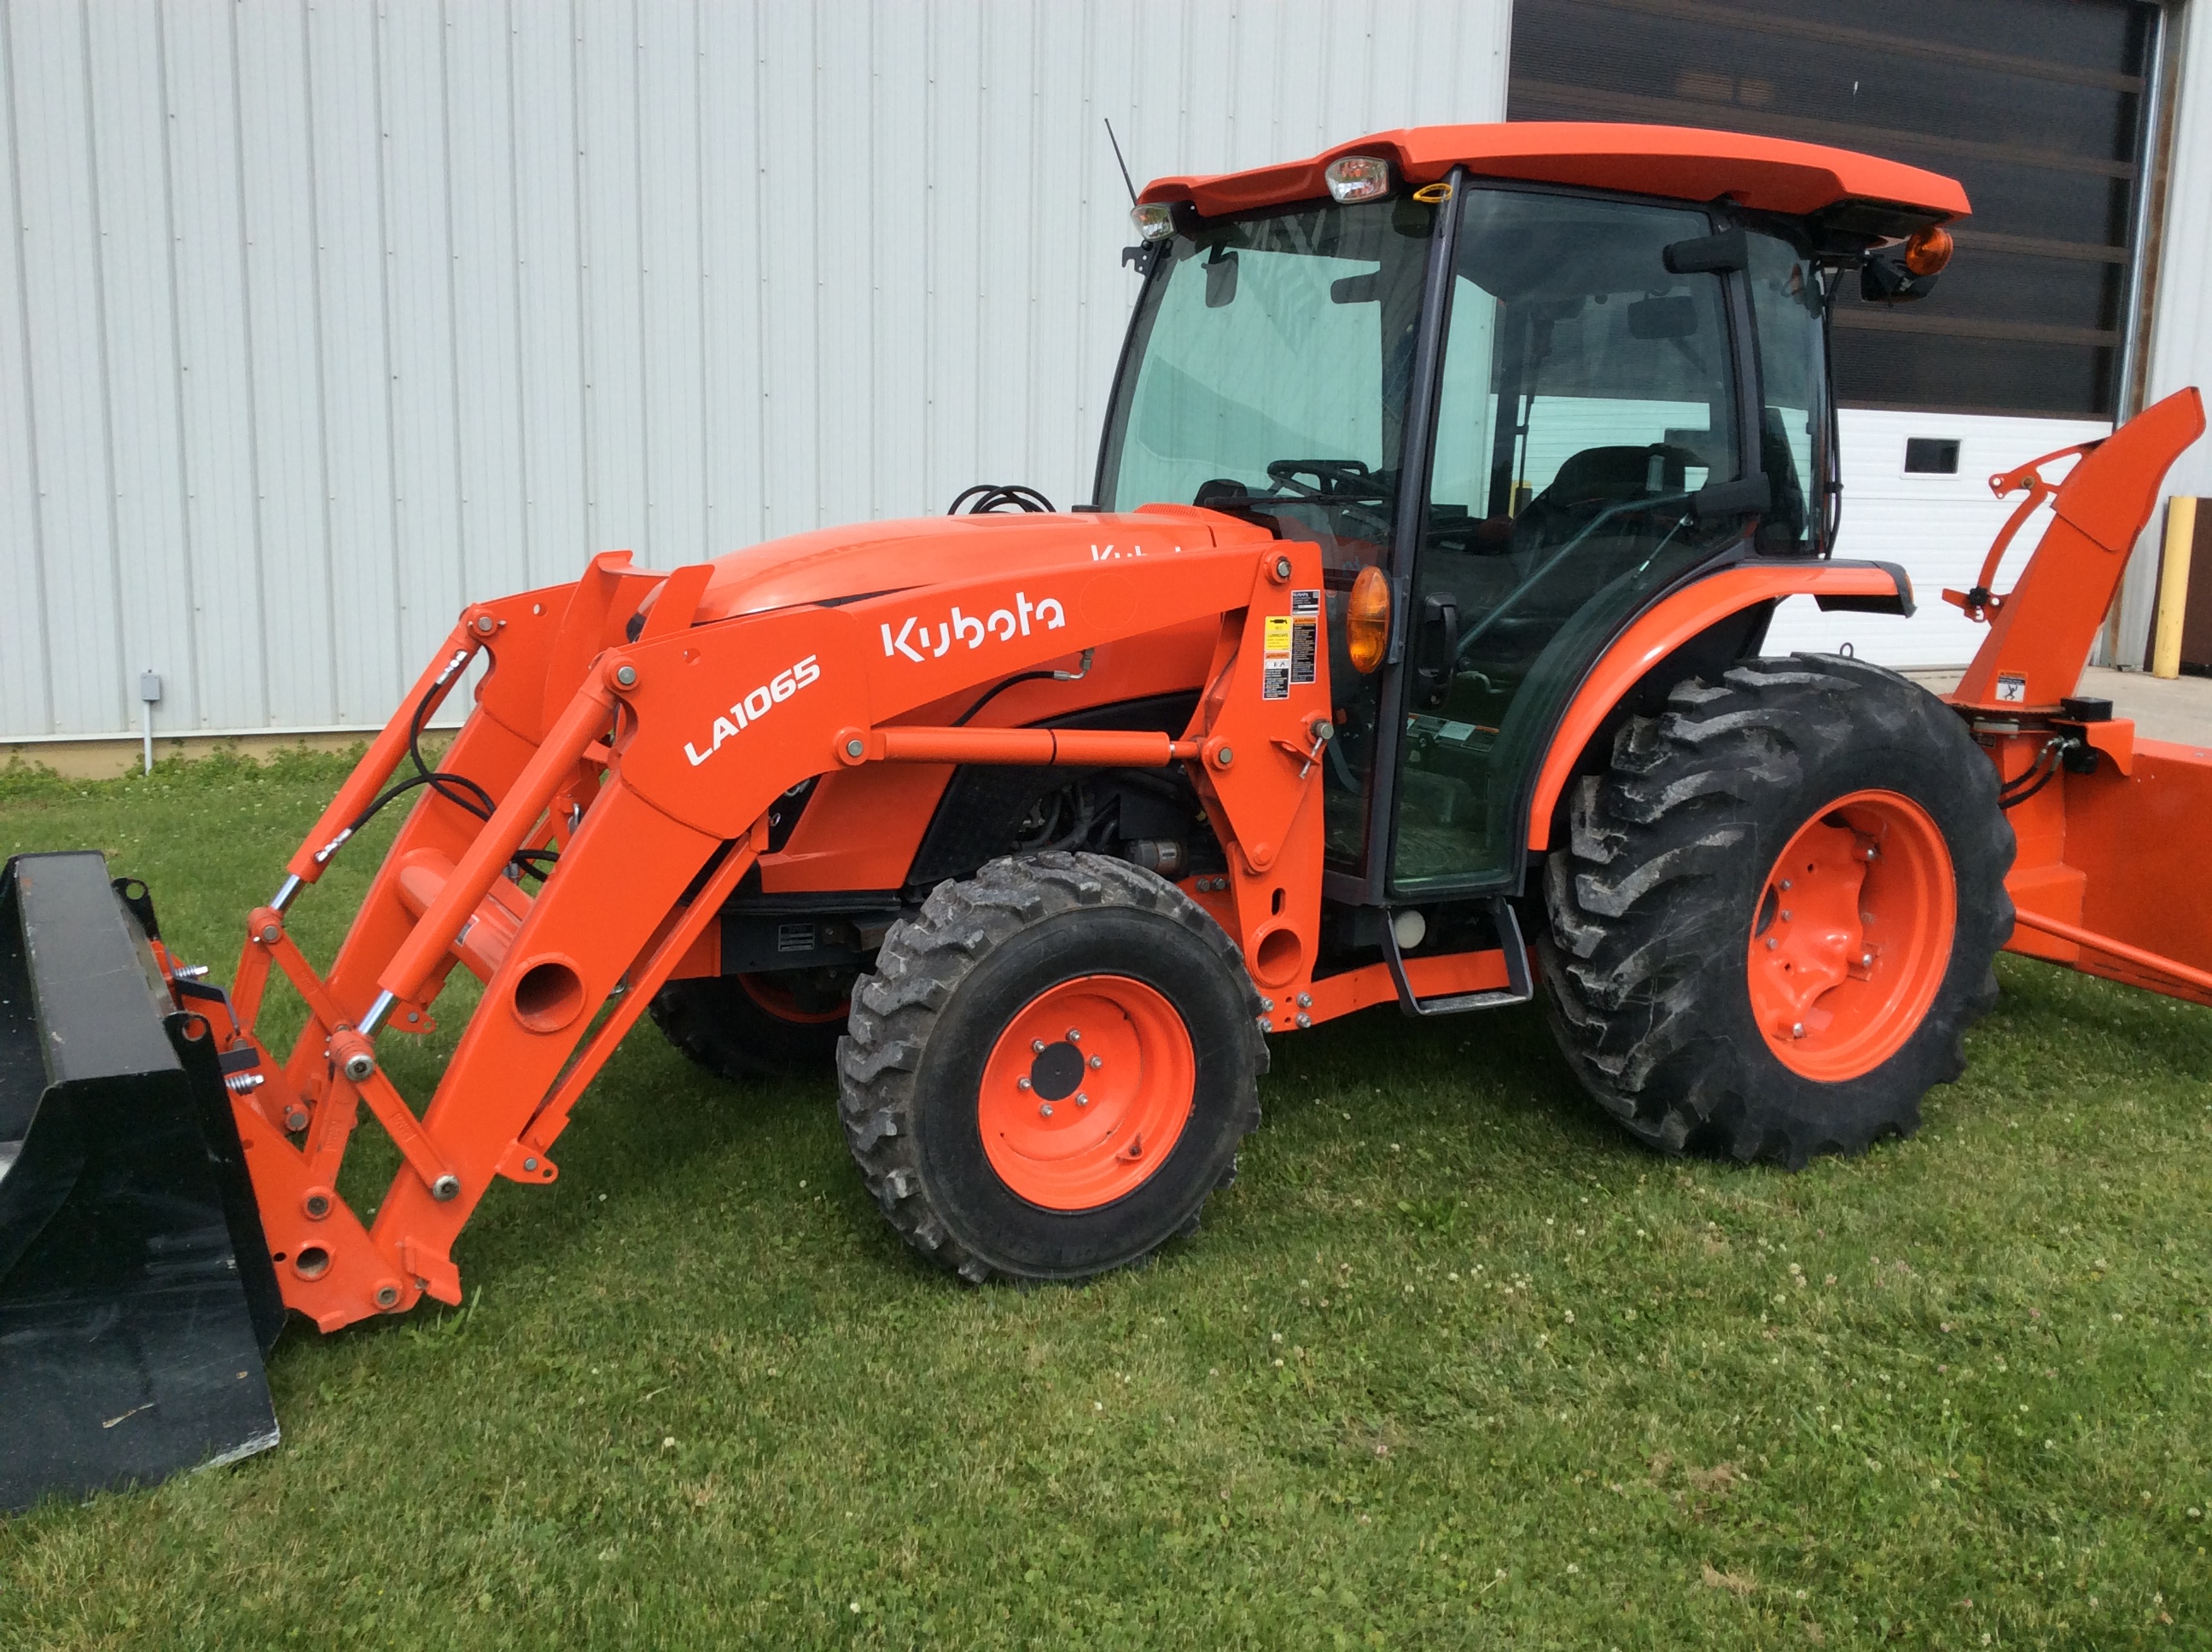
(1512, 412)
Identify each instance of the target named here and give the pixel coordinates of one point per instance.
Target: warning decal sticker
(2011, 691)
(1305, 644)
(1277, 637)
(1305, 602)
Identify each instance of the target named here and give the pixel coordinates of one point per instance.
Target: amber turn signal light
(1928, 250)
(1367, 619)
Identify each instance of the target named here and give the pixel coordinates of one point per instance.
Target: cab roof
(1687, 163)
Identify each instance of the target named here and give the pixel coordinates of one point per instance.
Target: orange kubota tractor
(1450, 482)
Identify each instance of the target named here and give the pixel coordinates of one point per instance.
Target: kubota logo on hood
(754, 706)
(918, 643)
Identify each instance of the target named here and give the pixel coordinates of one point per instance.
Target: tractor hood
(872, 558)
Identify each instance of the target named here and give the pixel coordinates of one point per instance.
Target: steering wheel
(1340, 478)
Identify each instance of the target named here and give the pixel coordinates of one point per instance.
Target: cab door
(1587, 415)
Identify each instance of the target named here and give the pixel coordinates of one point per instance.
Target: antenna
(1124, 165)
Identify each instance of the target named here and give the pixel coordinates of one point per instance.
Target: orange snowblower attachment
(2111, 827)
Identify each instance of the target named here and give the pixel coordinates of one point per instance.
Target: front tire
(1775, 917)
(1051, 1068)
(779, 1026)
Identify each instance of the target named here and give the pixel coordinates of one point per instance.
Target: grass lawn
(1454, 1364)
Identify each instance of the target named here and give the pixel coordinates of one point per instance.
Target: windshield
(1270, 362)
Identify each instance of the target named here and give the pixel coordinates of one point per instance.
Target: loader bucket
(137, 1296)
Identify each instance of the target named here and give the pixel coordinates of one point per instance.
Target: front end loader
(1411, 651)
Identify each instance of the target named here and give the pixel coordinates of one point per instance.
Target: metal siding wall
(322, 318)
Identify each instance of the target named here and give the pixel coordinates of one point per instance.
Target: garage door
(2039, 107)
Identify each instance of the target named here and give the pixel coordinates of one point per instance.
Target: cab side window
(1587, 394)
(1786, 306)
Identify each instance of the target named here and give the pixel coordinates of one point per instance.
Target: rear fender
(1669, 626)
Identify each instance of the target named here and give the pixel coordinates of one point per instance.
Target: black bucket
(136, 1295)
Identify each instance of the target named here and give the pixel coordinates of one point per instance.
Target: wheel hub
(1056, 1071)
(1852, 935)
(1086, 1090)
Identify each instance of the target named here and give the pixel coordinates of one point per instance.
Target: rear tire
(1674, 920)
(749, 1027)
(1051, 1068)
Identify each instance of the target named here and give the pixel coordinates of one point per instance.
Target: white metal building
(320, 318)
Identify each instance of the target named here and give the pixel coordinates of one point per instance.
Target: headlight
(1359, 177)
(1155, 220)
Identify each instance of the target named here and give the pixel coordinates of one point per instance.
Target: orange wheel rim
(1851, 936)
(1086, 1092)
(783, 1004)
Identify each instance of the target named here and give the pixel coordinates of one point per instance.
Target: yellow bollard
(2173, 586)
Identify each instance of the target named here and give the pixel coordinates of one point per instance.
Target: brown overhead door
(2037, 107)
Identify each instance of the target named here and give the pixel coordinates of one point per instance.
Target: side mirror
(1708, 255)
(1436, 651)
(1220, 279)
(1745, 497)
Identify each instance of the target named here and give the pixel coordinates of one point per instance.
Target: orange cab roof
(1689, 163)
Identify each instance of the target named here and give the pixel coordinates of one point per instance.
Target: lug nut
(1267, 1004)
(1036, 1046)
(1304, 1020)
(1785, 915)
(1075, 1035)
(1021, 1083)
(1772, 943)
(1305, 1000)
(1796, 1029)
(1044, 1109)
(1083, 1098)
(1785, 884)
(1097, 1061)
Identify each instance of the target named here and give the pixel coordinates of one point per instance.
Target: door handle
(1436, 645)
